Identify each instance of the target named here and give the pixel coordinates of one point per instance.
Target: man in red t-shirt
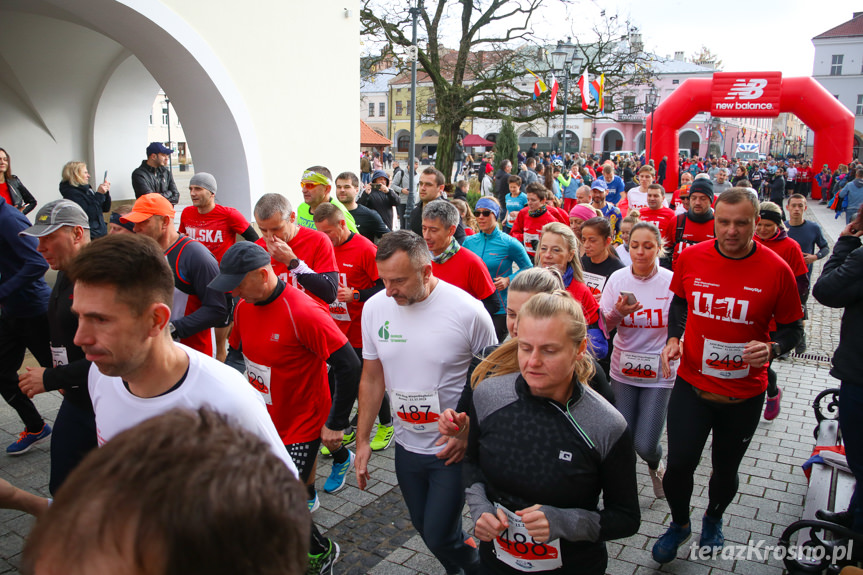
(287, 343)
(453, 264)
(655, 212)
(358, 281)
(216, 227)
(196, 308)
(726, 292)
(528, 224)
(302, 257)
(693, 227)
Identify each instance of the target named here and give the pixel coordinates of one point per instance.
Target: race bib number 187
(418, 411)
(516, 548)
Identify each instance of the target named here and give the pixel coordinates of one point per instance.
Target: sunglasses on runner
(309, 185)
(479, 213)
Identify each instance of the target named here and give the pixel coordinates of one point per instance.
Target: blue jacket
(499, 251)
(23, 291)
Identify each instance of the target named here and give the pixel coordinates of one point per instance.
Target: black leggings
(690, 421)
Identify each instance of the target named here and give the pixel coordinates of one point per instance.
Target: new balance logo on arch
(743, 90)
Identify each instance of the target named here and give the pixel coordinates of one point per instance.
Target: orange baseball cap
(147, 206)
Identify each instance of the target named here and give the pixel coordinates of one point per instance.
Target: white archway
(640, 140)
(236, 100)
(609, 145)
(689, 139)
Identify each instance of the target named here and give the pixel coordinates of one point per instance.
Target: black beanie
(702, 186)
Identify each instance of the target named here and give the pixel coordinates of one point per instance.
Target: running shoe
(711, 533)
(771, 408)
(383, 437)
(656, 476)
(27, 440)
(323, 564)
(665, 548)
(314, 503)
(339, 474)
(347, 439)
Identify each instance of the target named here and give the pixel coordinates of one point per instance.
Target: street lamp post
(651, 101)
(168, 119)
(565, 61)
(414, 54)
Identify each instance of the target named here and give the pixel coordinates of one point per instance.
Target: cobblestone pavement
(376, 536)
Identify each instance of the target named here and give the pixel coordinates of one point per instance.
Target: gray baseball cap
(54, 215)
(240, 259)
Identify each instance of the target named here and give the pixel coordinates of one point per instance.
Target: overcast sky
(745, 34)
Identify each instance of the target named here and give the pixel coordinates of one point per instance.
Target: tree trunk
(449, 129)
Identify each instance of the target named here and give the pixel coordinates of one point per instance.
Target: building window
(431, 107)
(629, 104)
(609, 103)
(404, 143)
(675, 81)
(164, 115)
(836, 65)
(151, 119)
(859, 111)
(398, 108)
(371, 109)
(408, 105)
(381, 108)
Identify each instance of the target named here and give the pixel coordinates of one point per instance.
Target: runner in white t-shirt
(641, 391)
(418, 341)
(123, 294)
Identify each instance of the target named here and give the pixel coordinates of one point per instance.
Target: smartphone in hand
(630, 297)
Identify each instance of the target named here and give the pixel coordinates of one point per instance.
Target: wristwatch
(775, 350)
(293, 264)
(356, 295)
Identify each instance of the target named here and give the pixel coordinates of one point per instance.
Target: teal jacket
(499, 251)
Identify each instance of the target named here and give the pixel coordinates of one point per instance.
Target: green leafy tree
(506, 147)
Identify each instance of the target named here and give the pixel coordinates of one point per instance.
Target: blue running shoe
(339, 474)
(711, 533)
(314, 503)
(665, 548)
(27, 440)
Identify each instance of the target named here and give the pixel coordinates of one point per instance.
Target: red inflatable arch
(753, 94)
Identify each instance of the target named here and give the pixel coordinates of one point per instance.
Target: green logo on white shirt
(385, 335)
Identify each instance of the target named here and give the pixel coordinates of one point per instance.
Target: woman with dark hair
(636, 303)
(11, 188)
(840, 287)
(600, 258)
(772, 233)
(75, 186)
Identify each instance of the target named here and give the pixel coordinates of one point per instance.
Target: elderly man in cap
(216, 226)
(23, 319)
(153, 175)
(61, 229)
(287, 342)
(317, 183)
(197, 309)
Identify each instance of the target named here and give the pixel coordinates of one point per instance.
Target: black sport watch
(293, 264)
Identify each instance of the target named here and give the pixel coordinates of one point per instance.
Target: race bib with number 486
(516, 548)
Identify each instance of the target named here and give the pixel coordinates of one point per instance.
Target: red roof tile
(853, 27)
(369, 137)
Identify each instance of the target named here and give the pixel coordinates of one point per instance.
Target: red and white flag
(584, 88)
(554, 88)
